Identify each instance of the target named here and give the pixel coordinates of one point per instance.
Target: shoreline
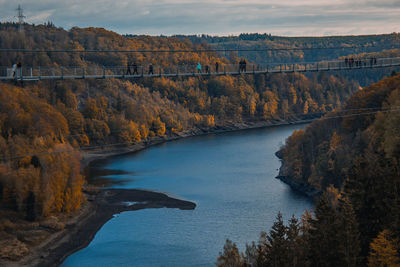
(97, 211)
(304, 189)
(100, 207)
(99, 154)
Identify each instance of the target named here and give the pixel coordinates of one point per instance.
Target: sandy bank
(95, 213)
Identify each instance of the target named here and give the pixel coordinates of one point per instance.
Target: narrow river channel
(231, 178)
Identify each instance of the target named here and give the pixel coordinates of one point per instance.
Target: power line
(15, 50)
(397, 109)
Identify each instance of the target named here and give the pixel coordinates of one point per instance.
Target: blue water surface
(231, 178)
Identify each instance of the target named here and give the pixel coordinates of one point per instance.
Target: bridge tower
(20, 16)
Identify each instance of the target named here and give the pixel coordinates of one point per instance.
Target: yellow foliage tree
(384, 251)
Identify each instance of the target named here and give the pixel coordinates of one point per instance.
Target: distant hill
(351, 45)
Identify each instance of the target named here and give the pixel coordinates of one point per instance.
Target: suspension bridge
(36, 73)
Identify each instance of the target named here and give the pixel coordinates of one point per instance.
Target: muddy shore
(100, 208)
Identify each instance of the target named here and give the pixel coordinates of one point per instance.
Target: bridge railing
(229, 69)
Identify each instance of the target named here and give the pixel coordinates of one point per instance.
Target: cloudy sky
(216, 17)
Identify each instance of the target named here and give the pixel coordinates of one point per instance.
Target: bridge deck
(60, 73)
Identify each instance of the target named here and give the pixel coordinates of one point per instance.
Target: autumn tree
(384, 250)
(230, 257)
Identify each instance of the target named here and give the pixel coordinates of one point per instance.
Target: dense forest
(61, 116)
(45, 124)
(352, 162)
(329, 48)
(299, 49)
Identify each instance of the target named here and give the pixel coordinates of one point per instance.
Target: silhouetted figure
(151, 69)
(374, 60)
(19, 69)
(14, 70)
(216, 67)
(128, 69)
(135, 69)
(242, 65)
(198, 67)
(19, 74)
(346, 62)
(207, 69)
(30, 207)
(35, 162)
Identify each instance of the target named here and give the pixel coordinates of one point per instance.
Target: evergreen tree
(324, 243)
(293, 236)
(349, 234)
(277, 244)
(262, 250)
(304, 250)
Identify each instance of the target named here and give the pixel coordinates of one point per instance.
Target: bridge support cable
(35, 73)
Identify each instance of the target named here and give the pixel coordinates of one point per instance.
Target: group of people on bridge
(358, 62)
(132, 68)
(207, 68)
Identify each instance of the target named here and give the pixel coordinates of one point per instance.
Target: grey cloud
(302, 17)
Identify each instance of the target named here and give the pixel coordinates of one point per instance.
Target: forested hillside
(329, 48)
(40, 120)
(353, 161)
(44, 124)
(299, 49)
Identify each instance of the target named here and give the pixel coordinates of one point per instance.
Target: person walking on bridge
(128, 69)
(198, 67)
(135, 69)
(14, 70)
(151, 69)
(242, 65)
(19, 69)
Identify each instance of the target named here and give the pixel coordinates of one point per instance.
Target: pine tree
(304, 240)
(349, 234)
(293, 236)
(277, 244)
(324, 243)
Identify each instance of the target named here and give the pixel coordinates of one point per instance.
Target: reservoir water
(231, 178)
